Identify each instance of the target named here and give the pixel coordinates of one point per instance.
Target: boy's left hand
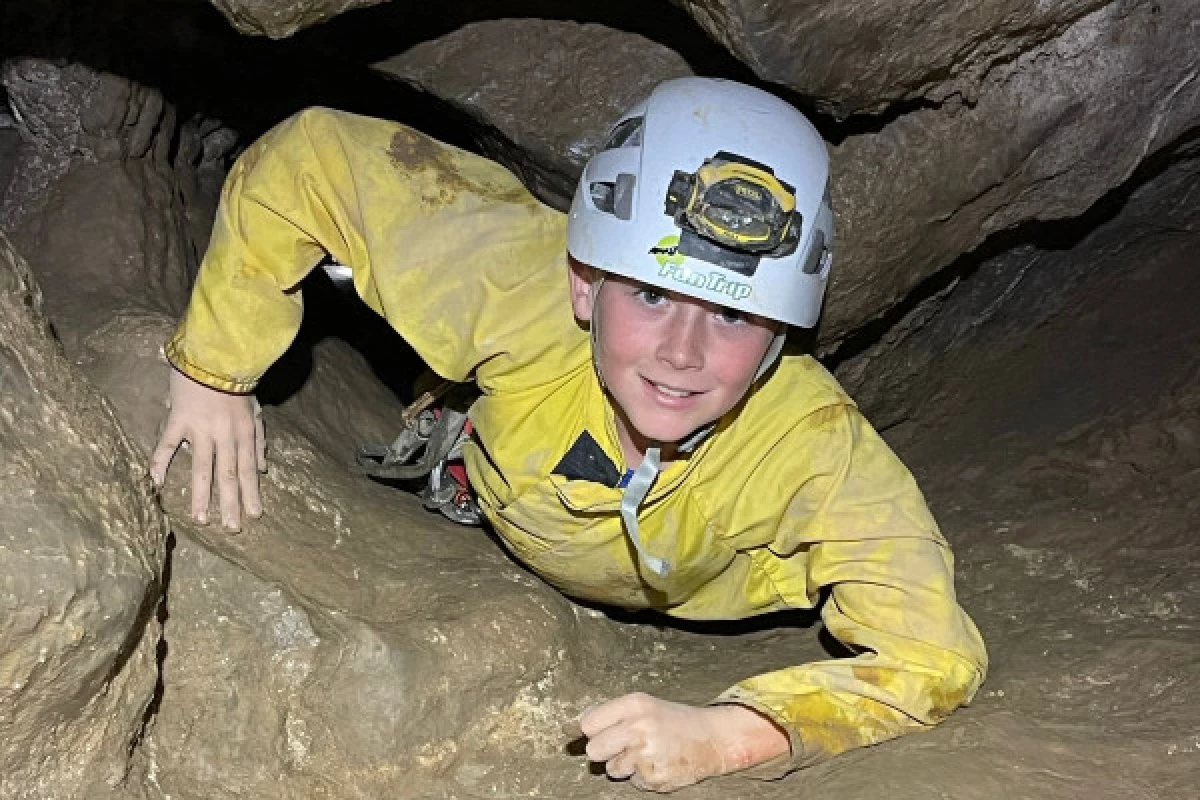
(663, 746)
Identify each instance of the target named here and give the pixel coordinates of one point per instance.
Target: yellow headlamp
(737, 203)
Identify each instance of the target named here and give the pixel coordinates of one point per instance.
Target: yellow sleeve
(859, 529)
(446, 245)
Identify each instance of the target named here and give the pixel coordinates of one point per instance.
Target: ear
(583, 298)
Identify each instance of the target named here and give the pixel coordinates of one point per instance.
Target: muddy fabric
(794, 492)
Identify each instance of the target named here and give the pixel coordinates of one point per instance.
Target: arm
(434, 236)
(861, 529)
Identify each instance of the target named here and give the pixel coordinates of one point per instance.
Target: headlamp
(737, 203)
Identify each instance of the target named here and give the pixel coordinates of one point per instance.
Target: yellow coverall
(793, 492)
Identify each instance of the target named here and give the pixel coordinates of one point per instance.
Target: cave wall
(958, 135)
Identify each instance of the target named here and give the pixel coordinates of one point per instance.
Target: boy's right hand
(223, 430)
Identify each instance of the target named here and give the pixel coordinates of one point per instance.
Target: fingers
(227, 483)
(610, 713)
(247, 474)
(202, 465)
(609, 743)
(225, 431)
(164, 452)
(655, 744)
(622, 766)
(260, 439)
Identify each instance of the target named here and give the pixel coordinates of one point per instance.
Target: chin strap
(635, 492)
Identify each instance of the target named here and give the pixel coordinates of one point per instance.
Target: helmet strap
(594, 327)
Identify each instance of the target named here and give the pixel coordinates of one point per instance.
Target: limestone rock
(87, 135)
(279, 20)
(349, 643)
(996, 305)
(862, 57)
(81, 548)
(546, 92)
(1047, 136)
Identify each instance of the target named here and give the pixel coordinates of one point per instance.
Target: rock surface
(863, 57)
(995, 306)
(1045, 136)
(88, 135)
(350, 643)
(552, 89)
(278, 19)
(81, 550)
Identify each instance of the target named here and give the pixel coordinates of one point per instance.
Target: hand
(663, 746)
(221, 427)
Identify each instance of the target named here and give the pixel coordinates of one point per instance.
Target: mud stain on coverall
(443, 182)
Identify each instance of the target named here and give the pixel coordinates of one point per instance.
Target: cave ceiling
(947, 123)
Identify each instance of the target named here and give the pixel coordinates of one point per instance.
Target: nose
(682, 343)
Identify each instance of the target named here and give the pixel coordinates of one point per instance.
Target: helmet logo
(667, 251)
(709, 281)
(670, 265)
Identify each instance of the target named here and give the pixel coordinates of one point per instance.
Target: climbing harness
(429, 446)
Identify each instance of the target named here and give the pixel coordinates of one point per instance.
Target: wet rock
(81, 549)
(348, 642)
(1004, 754)
(552, 89)
(88, 135)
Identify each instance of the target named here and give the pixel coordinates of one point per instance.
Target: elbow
(955, 686)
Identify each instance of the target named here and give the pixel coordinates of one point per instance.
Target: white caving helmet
(716, 190)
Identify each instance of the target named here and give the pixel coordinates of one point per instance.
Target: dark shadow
(330, 311)
(162, 614)
(776, 620)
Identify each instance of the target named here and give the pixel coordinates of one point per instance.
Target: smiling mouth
(671, 391)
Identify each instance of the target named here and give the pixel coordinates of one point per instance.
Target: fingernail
(200, 518)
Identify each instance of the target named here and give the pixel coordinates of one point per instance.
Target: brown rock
(1041, 134)
(86, 137)
(349, 643)
(81, 551)
(279, 19)
(862, 57)
(545, 92)
(1049, 134)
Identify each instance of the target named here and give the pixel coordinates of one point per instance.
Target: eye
(731, 316)
(651, 297)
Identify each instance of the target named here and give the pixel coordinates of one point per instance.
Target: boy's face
(672, 363)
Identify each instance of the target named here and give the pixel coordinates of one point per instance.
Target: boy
(638, 440)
